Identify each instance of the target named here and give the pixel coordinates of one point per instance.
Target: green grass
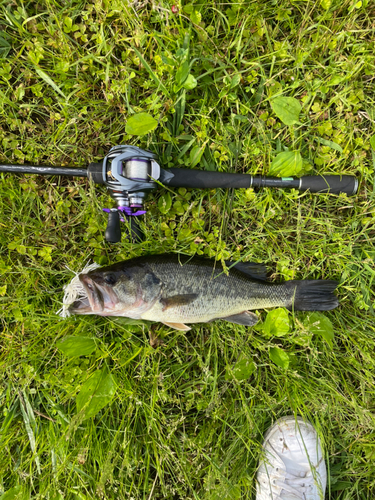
(179, 426)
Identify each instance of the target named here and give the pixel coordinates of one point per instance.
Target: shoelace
(300, 482)
(295, 485)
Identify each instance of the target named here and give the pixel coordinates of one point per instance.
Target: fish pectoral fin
(178, 300)
(246, 318)
(178, 326)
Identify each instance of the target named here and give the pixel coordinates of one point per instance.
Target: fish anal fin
(178, 326)
(178, 300)
(246, 318)
(253, 269)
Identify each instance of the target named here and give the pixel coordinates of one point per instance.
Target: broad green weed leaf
(287, 109)
(3, 290)
(190, 83)
(14, 494)
(196, 17)
(57, 496)
(288, 163)
(326, 4)
(3, 268)
(76, 346)
(184, 233)
(179, 208)
(330, 144)
(188, 8)
(242, 370)
(279, 357)
(241, 118)
(356, 5)
(335, 80)
(277, 323)
(372, 142)
(235, 81)
(182, 73)
(140, 124)
(68, 23)
(45, 252)
(196, 155)
(165, 203)
(318, 323)
(96, 393)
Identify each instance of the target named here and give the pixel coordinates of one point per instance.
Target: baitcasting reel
(130, 173)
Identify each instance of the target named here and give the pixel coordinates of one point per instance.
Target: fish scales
(218, 294)
(176, 289)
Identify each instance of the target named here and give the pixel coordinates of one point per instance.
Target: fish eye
(110, 279)
(90, 287)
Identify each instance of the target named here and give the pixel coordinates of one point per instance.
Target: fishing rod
(129, 173)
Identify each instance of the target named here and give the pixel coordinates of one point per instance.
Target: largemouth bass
(177, 290)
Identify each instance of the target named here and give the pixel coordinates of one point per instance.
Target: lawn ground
(184, 420)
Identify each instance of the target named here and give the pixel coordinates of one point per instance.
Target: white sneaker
(293, 466)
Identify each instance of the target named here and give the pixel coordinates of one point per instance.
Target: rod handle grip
(334, 184)
(202, 179)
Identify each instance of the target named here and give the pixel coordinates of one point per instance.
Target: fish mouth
(100, 299)
(81, 306)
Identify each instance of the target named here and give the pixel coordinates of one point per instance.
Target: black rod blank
(40, 170)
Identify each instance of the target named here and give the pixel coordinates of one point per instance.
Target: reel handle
(113, 230)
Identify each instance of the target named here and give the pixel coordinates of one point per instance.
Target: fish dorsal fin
(178, 300)
(178, 326)
(252, 269)
(246, 318)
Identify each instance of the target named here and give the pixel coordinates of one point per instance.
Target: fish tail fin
(313, 295)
